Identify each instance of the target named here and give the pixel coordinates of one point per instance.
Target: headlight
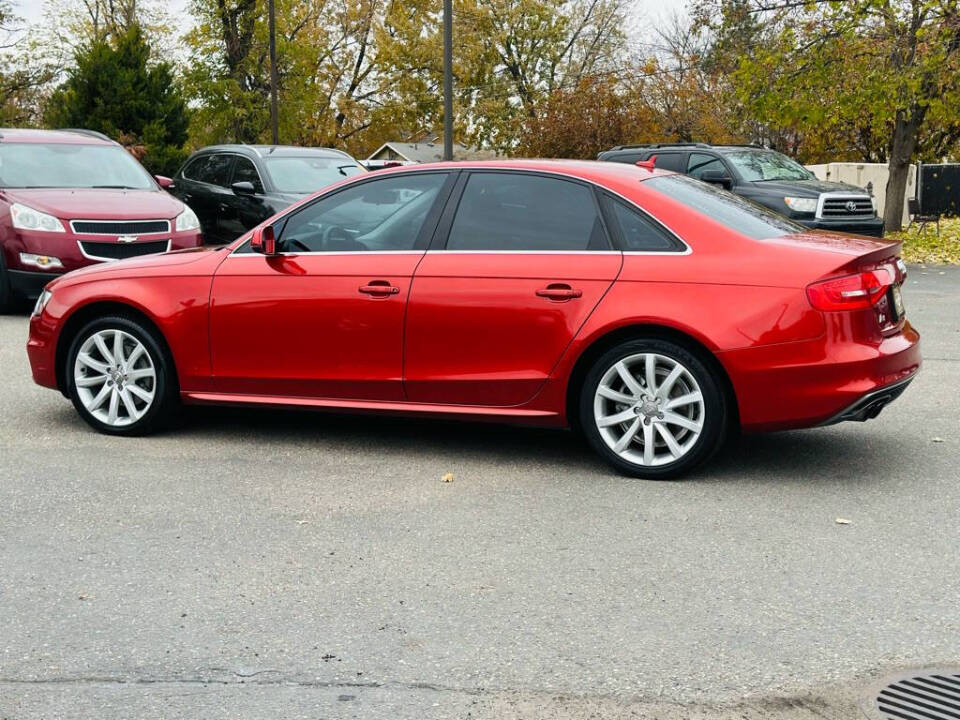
(801, 205)
(44, 262)
(42, 302)
(187, 220)
(873, 203)
(26, 218)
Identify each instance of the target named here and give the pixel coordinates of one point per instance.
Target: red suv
(71, 198)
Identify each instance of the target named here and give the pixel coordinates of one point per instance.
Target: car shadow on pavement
(817, 455)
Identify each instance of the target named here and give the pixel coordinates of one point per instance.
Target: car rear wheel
(120, 377)
(653, 409)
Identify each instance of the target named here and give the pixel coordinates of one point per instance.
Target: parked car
(231, 188)
(766, 177)
(596, 295)
(71, 198)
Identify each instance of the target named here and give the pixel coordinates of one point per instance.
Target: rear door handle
(559, 291)
(379, 287)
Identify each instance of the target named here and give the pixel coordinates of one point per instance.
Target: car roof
(591, 170)
(274, 150)
(58, 137)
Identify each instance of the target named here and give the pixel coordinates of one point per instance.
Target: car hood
(806, 188)
(192, 261)
(99, 204)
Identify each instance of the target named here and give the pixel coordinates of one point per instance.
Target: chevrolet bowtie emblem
(127, 238)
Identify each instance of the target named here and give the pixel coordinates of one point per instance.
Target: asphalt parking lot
(255, 564)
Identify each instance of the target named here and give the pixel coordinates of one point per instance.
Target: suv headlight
(187, 220)
(26, 218)
(801, 205)
(42, 302)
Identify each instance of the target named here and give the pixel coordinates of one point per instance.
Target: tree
(875, 76)
(113, 88)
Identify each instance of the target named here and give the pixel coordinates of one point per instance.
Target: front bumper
(29, 284)
(872, 227)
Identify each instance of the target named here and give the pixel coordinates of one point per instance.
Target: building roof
(429, 152)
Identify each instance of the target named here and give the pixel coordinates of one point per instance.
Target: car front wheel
(120, 378)
(652, 409)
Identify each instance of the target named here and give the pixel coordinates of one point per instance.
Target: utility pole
(273, 72)
(448, 79)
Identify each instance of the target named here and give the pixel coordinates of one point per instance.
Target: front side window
(212, 169)
(385, 214)
(726, 208)
(701, 163)
(36, 165)
(514, 211)
(761, 165)
(245, 171)
(305, 174)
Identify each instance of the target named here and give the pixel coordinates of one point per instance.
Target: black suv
(766, 177)
(233, 188)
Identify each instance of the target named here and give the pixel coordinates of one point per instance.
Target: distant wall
(860, 174)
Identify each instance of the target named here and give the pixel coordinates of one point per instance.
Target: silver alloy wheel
(649, 409)
(115, 377)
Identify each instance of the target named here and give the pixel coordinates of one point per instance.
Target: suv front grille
(120, 227)
(119, 251)
(844, 207)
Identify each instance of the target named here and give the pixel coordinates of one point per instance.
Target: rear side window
(670, 161)
(513, 211)
(637, 232)
(726, 208)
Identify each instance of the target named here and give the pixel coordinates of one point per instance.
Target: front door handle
(379, 287)
(559, 292)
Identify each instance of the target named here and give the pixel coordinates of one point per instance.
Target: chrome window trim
(410, 170)
(841, 195)
(97, 258)
(118, 222)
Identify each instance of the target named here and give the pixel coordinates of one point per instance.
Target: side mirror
(264, 241)
(717, 177)
(244, 187)
(164, 182)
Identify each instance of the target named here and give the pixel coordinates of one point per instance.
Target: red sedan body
(508, 334)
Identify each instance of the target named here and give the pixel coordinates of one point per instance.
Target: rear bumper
(817, 382)
(872, 226)
(29, 284)
(870, 405)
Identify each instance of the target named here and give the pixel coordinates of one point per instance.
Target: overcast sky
(646, 12)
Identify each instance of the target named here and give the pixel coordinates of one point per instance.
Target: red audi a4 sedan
(653, 312)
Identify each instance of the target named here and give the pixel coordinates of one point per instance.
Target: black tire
(714, 419)
(165, 388)
(6, 293)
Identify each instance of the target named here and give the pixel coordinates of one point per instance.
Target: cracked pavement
(314, 566)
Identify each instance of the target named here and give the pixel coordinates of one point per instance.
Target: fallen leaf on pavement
(447, 478)
(843, 521)
(937, 439)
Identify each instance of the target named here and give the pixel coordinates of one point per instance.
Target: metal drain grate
(929, 695)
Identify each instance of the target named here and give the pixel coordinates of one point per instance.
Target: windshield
(760, 165)
(305, 174)
(726, 208)
(35, 165)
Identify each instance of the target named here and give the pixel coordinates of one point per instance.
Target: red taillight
(850, 292)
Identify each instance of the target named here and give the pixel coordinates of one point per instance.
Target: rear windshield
(306, 174)
(726, 208)
(36, 165)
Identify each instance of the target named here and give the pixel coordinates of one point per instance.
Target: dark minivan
(766, 177)
(233, 188)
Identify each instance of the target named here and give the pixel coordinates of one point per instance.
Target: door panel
(300, 326)
(478, 332)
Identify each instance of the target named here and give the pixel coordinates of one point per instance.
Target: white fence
(862, 174)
